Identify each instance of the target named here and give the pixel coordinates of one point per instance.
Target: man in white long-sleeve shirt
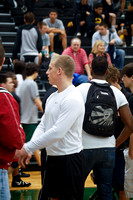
(60, 131)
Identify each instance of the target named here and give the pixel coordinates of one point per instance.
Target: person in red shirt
(12, 136)
(79, 56)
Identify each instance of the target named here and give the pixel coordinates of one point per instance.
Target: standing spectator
(7, 82)
(11, 134)
(99, 150)
(29, 111)
(81, 61)
(60, 131)
(127, 78)
(94, 19)
(111, 39)
(114, 77)
(55, 29)
(19, 69)
(28, 41)
(108, 11)
(81, 11)
(98, 50)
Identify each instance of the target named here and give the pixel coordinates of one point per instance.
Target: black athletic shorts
(65, 176)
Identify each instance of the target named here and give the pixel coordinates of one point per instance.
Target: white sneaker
(85, 35)
(15, 4)
(78, 34)
(131, 44)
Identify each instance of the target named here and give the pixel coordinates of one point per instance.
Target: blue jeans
(120, 58)
(102, 161)
(4, 185)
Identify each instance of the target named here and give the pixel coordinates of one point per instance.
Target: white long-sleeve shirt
(60, 129)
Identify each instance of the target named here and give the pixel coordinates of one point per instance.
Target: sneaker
(122, 15)
(131, 44)
(24, 175)
(78, 34)
(24, 9)
(85, 35)
(15, 4)
(20, 183)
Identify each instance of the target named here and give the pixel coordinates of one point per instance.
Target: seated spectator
(81, 11)
(119, 4)
(108, 11)
(129, 19)
(111, 39)
(45, 38)
(55, 29)
(98, 50)
(94, 19)
(125, 29)
(28, 41)
(81, 61)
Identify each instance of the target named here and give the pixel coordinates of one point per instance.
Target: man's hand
(24, 157)
(112, 42)
(90, 77)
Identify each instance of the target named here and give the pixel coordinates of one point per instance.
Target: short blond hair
(95, 46)
(66, 63)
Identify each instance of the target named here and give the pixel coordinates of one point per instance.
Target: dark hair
(128, 70)
(3, 78)
(99, 65)
(103, 24)
(10, 74)
(29, 17)
(53, 10)
(31, 68)
(19, 68)
(41, 24)
(2, 53)
(98, 5)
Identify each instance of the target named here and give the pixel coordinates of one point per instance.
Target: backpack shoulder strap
(90, 91)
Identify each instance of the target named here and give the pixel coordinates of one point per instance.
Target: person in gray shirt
(30, 103)
(28, 41)
(55, 28)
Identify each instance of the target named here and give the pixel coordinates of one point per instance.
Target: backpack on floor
(100, 110)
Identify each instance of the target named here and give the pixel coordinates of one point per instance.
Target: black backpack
(100, 110)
